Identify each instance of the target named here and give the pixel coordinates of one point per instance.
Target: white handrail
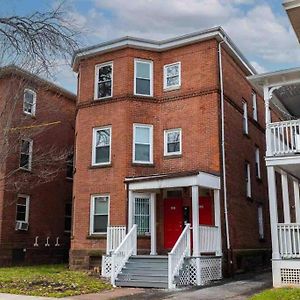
(181, 249)
(289, 240)
(115, 236)
(121, 255)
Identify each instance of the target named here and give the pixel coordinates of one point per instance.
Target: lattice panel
(106, 266)
(211, 269)
(290, 276)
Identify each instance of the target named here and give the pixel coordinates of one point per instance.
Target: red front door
(173, 220)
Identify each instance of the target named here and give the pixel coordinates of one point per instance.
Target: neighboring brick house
(37, 135)
(149, 145)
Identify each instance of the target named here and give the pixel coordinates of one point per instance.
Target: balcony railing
(209, 239)
(284, 138)
(289, 240)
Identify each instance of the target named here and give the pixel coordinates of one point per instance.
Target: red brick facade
(53, 125)
(195, 108)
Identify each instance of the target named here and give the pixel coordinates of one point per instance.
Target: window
(245, 118)
(143, 77)
(68, 217)
(172, 76)
(254, 104)
(22, 214)
(29, 102)
(104, 81)
(101, 146)
(248, 179)
(142, 143)
(99, 214)
(142, 215)
(257, 163)
(173, 142)
(26, 154)
(70, 166)
(260, 215)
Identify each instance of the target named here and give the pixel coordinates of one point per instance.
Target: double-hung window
(101, 154)
(68, 216)
(22, 214)
(245, 118)
(142, 143)
(142, 215)
(29, 102)
(99, 215)
(248, 179)
(172, 142)
(143, 77)
(104, 80)
(257, 163)
(254, 106)
(172, 76)
(260, 216)
(26, 154)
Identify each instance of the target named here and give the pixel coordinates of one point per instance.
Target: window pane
(143, 70)
(28, 107)
(143, 86)
(102, 137)
(142, 152)
(104, 89)
(29, 97)
(21, 216)
(101, 205)
(105, 73)
(173, 147)
(100, 223)
(173, 137)
(102, 154)
(24, 163)
(173, 81)
(142, 135)
(173, 70)
(25, 146)
(22, 201)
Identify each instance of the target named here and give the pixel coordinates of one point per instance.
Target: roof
(292, 8)
(159, 46)
(12, 69)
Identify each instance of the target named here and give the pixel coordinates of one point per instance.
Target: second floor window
(29, 102)
(143, 77)
(142, 143)
(172, 76)
(101, 146)
(172, 142)
(104, 81)
(248, 179)
(245, 118)
(26, 154)
(254, 106)
(257, 163)
(22, 214)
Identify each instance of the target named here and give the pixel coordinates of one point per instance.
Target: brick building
(162, 129)
(37, 136)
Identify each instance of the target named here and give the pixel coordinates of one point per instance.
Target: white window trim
(254, 105)
(97, 68)
(173, 87)
(30, 155)
(248, 192)
(94, 146)
(149, 126)
(150, 62)
(245, 118)
(257, 162)
(92, 211)
(166, 153)
(27, 197)
(34, 102)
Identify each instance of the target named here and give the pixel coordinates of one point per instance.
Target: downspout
(229, 252)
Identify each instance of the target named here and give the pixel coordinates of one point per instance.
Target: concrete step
(141, 283)
(143, 271)
(134, 266)
(148, 278)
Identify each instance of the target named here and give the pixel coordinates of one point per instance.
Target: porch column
(285, 197)
(153, 223)
(268, 120)
(218, 221)
(297, 202)
(273, 211)
(130, 209)
(195, 214)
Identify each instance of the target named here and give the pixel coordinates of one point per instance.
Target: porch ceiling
(292, 8)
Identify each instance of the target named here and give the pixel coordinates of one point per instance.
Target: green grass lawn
(48, 280)
(278, 294)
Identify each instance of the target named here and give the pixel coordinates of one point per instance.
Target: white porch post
(153, 223)
(218, 220)
(268, 120)
(130, 209)
(273, 211)
(195, 214)
(285, 197)
(297, 202)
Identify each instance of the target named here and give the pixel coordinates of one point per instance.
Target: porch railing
(115, 235)
(289, 240)
(284, 137)
(209, 239)
(181, 249)
(121, 255)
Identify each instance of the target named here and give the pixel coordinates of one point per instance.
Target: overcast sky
(260, 28)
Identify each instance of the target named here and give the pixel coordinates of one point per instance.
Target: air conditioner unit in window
(297, 142)
(20, 225)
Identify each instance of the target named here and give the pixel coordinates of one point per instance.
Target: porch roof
(292, 8)
(173, 180)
